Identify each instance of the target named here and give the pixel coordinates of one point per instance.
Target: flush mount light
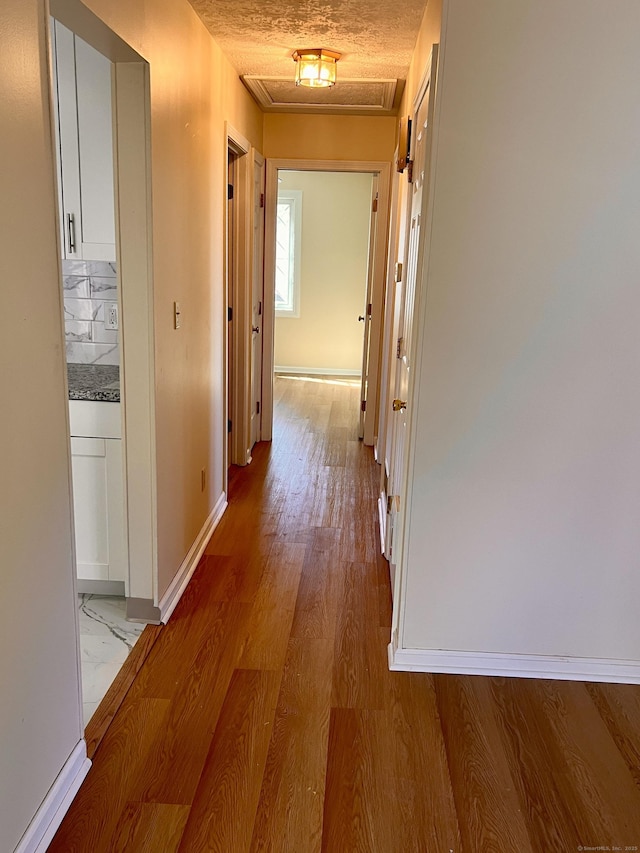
(316, 67)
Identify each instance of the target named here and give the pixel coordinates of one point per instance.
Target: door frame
(134, 265)
(256, 291)
(237, 276)
(382, 170)
(387, 372)
(428, 88)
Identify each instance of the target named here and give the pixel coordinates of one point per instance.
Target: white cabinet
(84, 135)
(98, 493)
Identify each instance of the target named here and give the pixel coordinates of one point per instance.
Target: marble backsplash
(89, 287)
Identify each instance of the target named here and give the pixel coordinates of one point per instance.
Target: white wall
(40, 722)
(523, 524)
(336, 211)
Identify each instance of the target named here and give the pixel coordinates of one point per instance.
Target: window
(288, 239)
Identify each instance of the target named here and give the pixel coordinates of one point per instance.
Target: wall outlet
(111, 316)
(203, 479)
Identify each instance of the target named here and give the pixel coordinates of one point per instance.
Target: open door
(374, 305)
(393, 311)
(365, 317)
(230, 276)
(257, 286)
(405, 306)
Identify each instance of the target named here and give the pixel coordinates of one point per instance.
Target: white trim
(514, 665)
(319, 371)
(402, 525)
(390, 91)
(237, 140)
(56, 804)
(240, 292)
(178, 585)
(294, 199)
(134, 246)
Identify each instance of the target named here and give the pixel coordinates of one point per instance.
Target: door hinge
(399, 348)
(363, 406)
(261, 199)
(229, 191)
(374, 206)
(229, 314)
(410, 171)
(228, 426)
(257, 407)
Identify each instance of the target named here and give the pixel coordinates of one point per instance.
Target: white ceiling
(376, 40)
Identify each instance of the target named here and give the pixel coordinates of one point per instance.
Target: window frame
(294, 199)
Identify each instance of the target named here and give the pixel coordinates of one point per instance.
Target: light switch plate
(176, 315)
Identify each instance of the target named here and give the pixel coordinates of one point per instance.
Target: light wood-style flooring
(264, 717)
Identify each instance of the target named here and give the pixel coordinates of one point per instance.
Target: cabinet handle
(71, 231)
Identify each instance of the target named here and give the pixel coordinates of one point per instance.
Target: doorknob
(255, 329)
(361, 319)
(399, 405)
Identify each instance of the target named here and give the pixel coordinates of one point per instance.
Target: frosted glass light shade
(316, 67)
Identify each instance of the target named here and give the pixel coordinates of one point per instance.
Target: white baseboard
(319, 371)
(55, 805)
(178, 585)
(517, 666)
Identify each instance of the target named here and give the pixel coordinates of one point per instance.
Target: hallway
(265, 717)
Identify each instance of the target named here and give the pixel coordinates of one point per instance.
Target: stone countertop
(94, 382)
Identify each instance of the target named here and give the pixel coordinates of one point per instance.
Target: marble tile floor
(106, 638)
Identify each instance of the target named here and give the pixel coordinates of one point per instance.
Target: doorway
(106, 249)
(322, 250)
(280, 308)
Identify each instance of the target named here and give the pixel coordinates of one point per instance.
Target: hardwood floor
(264, 718)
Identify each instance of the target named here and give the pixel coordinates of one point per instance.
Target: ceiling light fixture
(316, 67)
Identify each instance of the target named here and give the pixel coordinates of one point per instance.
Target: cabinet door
(98, 504)
(85, 131)
(116, 527)
(69, 156)
(95, 145)
(90, 501)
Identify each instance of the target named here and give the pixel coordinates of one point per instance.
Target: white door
(230, 267)
(365, 317)
(257, 287)
(393, 343)
(411, 275)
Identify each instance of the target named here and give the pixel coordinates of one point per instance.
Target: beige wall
(193, 91)
(329, 137)
(40, 721)
(523, 531)
(335, 241)
(430, 31)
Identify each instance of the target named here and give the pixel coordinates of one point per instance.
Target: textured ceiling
(375, 38)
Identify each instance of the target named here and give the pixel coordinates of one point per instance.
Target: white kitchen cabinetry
(84, 134)
(98, 494)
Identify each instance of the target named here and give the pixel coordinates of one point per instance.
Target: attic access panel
(369, 96)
